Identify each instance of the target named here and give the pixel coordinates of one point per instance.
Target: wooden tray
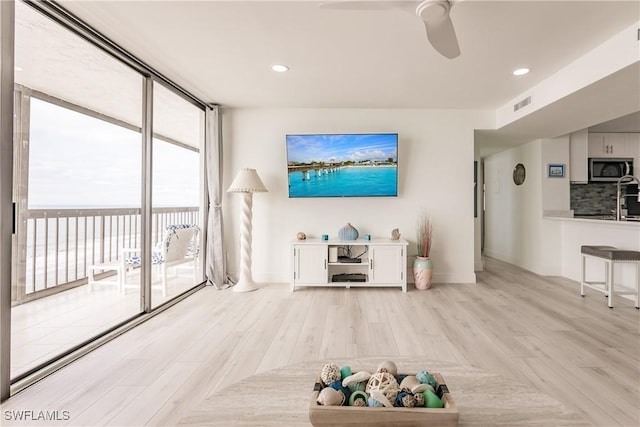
(365, 416)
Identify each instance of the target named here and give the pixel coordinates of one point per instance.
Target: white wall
(436, 152)
(555, 191)
(515, 231)
(512, 212)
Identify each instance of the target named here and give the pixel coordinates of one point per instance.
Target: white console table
(357, 263)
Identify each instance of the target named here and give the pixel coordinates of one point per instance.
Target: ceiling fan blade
(368, 5)
(442, 36)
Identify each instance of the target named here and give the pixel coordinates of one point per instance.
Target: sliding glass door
(178, 134)
(77, 187)
(80, 175)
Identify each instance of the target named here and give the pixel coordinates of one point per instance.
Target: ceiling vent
(522, 104)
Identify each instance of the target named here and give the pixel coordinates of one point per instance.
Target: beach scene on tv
(345, 165)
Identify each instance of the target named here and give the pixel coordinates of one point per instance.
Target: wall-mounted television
(342, 165)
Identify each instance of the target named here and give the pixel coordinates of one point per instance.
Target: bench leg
(609, 270)
(91, 279)
(605, 284)
(638, 285)
(584, 275)
(163, 268)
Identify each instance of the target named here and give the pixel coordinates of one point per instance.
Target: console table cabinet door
(386, 264)
(310, 264)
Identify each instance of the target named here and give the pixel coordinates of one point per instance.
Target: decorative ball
(409, 382)
(431, 400)
(301, 236)
(362, 386)
(421, 387)
(348, 232)
(358, 398)
(330, 373)
(345, 372)
(426, 378)
(357, 381)
(379, 397)
(388, 366)
(405, 399)
(374, 403)
(337, 385)
(330, 397)
(419, 397)
(384, 383)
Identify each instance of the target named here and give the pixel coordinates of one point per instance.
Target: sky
(341, 147)
(80, 161)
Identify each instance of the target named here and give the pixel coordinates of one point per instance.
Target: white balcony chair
(178, 246)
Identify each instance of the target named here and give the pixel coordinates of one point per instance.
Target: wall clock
(519, 174)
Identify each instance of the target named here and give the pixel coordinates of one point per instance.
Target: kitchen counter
(608, 220)
(566, 234)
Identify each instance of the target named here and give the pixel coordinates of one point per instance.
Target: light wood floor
(47, 327)
(531, 329)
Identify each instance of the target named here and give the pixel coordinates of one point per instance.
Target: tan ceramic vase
(422, 272)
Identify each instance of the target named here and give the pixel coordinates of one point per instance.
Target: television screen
(343, 165)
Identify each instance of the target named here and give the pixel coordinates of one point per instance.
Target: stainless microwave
(609, 169)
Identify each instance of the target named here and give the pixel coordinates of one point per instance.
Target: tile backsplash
(596, 198)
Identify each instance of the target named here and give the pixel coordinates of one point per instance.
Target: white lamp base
(244, 286)
(245, 282)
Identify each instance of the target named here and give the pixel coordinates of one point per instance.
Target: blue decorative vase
(348, 232)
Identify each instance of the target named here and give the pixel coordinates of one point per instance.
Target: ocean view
(352, 181)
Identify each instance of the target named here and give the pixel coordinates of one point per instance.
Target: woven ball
(419, 397)
(388, 366)
(359, 402)
(330, 373)
(385, 383)
(405, 399)
(359, 398)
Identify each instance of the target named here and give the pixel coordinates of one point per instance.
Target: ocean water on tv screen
(345, 182)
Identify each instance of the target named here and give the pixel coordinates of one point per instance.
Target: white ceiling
(222, 50)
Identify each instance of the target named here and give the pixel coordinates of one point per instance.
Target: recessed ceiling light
(520, 71)
(279, 68)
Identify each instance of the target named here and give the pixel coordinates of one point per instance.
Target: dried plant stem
(425, 235)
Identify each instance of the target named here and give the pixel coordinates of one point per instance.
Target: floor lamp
(246, 182)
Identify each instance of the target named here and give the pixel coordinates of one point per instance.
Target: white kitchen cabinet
(608, 145)
(578, 157)
(633, 150)
(360, 263)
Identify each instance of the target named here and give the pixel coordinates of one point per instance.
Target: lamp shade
(247, 181)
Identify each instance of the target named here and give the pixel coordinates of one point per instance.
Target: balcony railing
(54, 247)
